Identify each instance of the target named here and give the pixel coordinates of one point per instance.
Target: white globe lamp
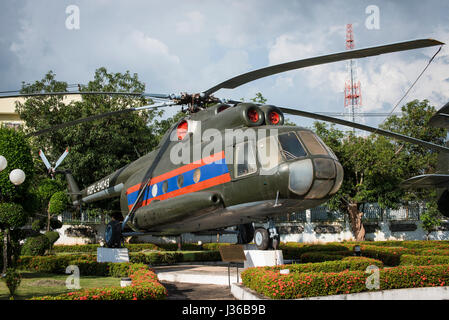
(3, 163)
(17, 176)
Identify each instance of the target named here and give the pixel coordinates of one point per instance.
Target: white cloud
(193, 23)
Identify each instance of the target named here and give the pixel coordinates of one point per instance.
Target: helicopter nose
(315, 178)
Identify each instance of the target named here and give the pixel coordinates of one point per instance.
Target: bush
(145, 286)
(423, 260)
(294, 250)
(324, 256)
(12, 281)
(272, 284)
(52, 236)
(36, 246)
(348, 263)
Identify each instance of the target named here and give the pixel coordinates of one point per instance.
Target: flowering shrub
(145, 286)
(269, 281)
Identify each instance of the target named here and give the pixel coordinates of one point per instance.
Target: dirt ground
(193, 291)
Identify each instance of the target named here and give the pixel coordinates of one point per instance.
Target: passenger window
(268, 152)
(291, 146)
(245, 159)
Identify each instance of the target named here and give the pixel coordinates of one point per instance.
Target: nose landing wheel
(267, 238)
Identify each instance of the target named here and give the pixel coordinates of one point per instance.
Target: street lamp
(16, 176)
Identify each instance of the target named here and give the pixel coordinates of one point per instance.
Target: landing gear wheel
(113, 234)
(246, 233)
(261, 239)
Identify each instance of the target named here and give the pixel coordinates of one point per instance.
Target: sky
(191, 45)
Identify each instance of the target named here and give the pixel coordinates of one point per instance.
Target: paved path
(194, 291)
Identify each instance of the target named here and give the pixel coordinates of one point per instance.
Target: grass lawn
(42, 284)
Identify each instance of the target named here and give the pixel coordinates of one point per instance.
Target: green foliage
(347, 263)
(413, 260)
(38, 224)
(46, 189)
(36, 246)
(15, 148)
(272, 284)
(91, 156)
(324, 256)
(58, 203)
(12, 280)
(12, 215)
(259, 98)
(52, 236)
(145, 286)
(431, 218)
(374, 166)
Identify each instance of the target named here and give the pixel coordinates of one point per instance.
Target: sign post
(232, 254)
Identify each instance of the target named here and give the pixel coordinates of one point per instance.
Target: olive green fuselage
(214, 174)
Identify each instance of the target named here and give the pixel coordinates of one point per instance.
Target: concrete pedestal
(263, 258)
(112, 255)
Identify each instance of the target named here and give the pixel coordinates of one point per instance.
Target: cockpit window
(291, 147)
(312, 143)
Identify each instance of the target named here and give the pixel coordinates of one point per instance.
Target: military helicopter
(263, 170)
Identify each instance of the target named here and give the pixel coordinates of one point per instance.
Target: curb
(240, 292)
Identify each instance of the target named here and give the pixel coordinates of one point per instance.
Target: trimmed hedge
(423, 260)
(272, 284)
(348, 263)
(137, 247)
(294, 250)
(36, 246)
(88, 262)
(145, 286)
(324, 256)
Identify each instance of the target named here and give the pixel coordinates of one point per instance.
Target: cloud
(193, 23)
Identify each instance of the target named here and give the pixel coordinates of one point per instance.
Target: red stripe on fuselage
(215, 157)
(212, 182)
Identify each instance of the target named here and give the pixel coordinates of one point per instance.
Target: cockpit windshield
(291, 147)
(313, 143)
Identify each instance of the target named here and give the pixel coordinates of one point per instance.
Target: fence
(84, 218)
(371, 212)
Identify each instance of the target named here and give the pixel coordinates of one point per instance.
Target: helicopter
(227, 163)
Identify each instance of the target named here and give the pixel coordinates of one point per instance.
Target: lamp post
(17, 177)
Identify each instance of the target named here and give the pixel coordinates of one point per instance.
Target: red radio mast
(353, 91)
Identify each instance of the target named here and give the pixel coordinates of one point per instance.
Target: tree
(431, 218)
(44, 190)
(259, 98)
(15, 148)
(99, 147)
(12, 216)
(374, 166)
(58, 204)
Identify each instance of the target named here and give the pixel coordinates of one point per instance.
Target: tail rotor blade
(61, 158)
(44, 159)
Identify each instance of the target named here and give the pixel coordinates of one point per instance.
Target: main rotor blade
(387, 133)
(44, 159)
(61, 158)
(346, 55)
(42, 94)
(95, 117)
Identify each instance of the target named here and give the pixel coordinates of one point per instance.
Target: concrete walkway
(199, 274)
